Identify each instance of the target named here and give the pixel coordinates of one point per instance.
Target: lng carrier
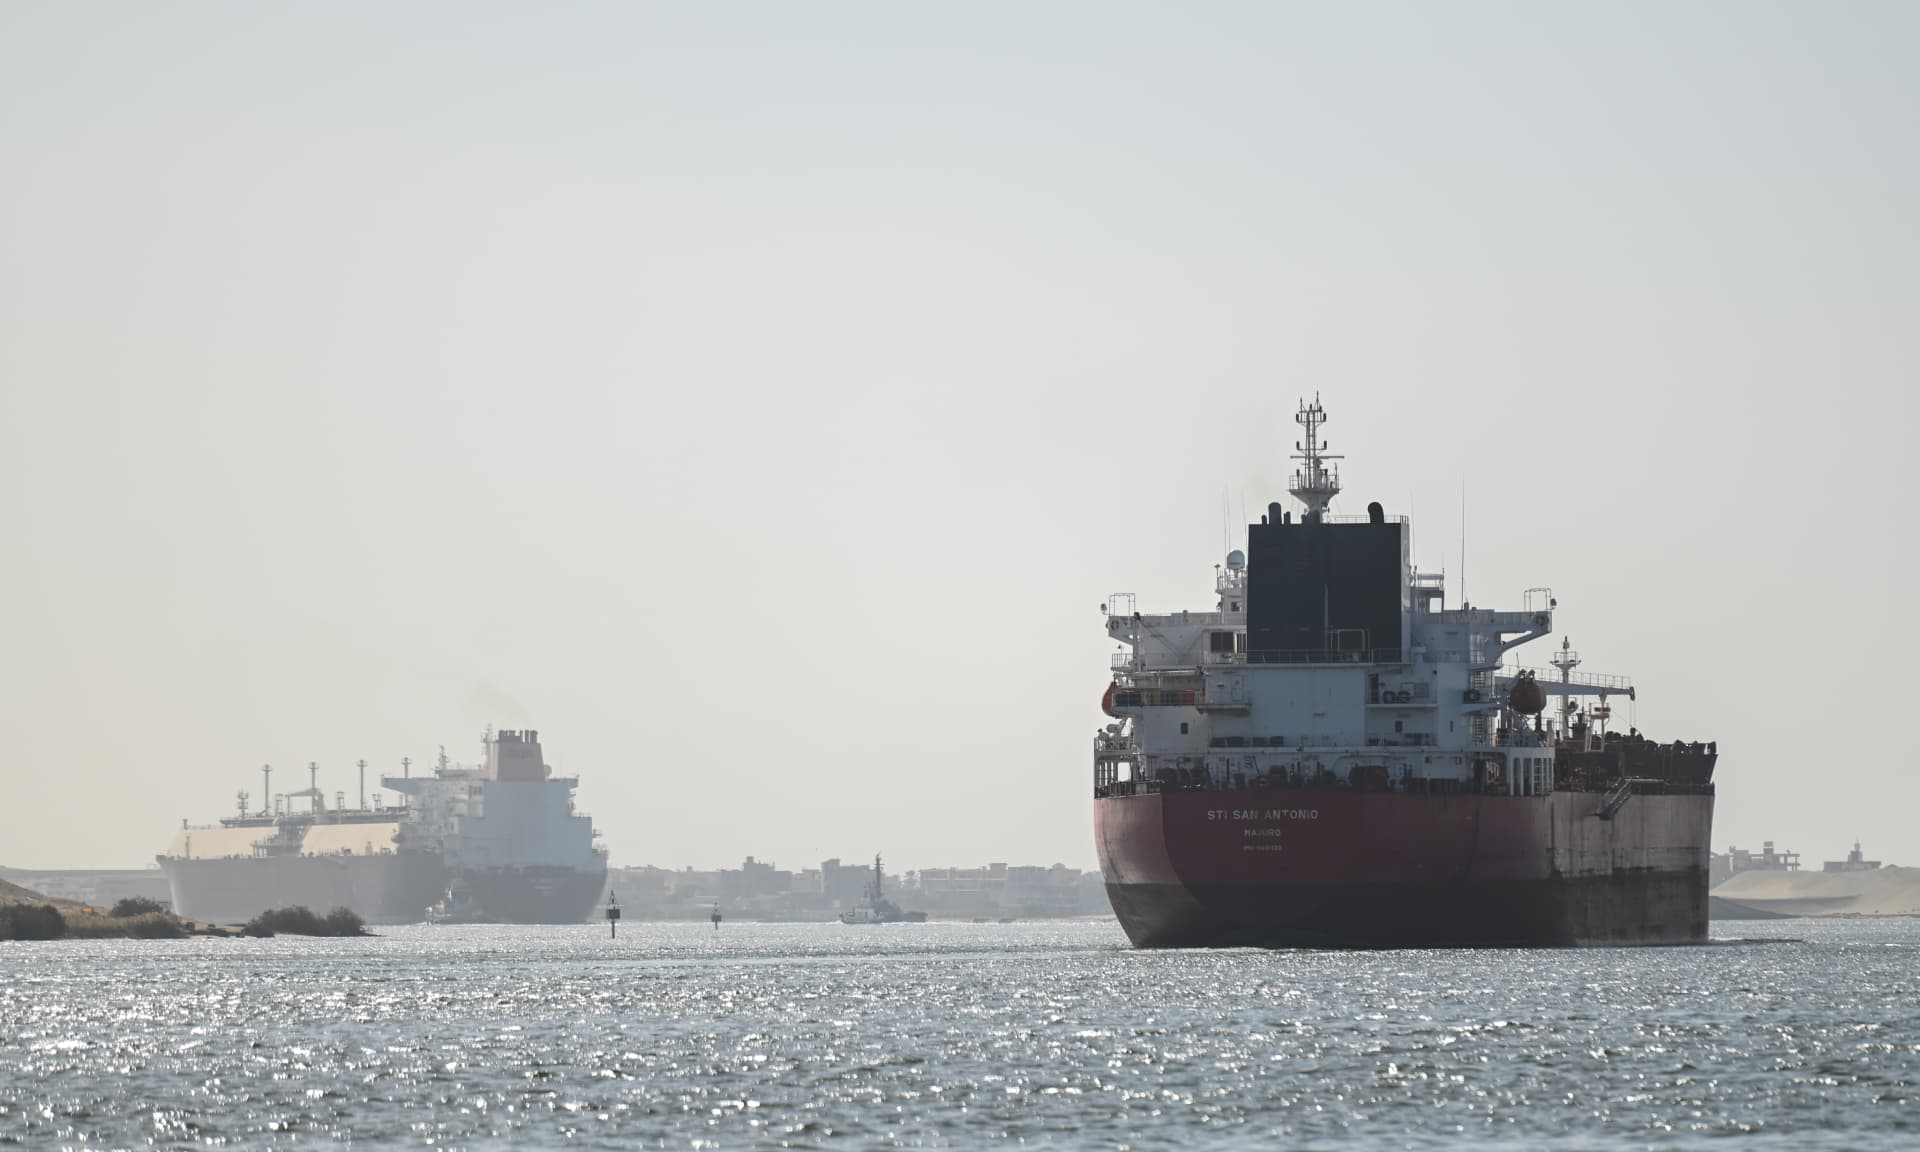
(503, 834)
(1335, 757)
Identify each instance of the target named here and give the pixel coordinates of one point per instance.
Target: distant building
(1737, 860)
(1856, 861)
(758, 890)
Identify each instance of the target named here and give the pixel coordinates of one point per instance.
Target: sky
(760, 399)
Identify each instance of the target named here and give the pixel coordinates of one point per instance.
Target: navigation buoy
(613, 917)
(716, 917)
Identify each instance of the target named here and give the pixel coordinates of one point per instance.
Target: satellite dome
(1236, 560)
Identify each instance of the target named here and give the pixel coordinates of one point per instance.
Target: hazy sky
(760, 400)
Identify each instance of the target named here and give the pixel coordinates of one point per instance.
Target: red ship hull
(1353, 869)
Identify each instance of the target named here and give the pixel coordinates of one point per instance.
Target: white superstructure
(512, 811)
(1417, 696)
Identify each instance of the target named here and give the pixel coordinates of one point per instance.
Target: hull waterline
(1392, 870)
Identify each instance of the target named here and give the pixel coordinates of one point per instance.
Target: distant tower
(1314, 484)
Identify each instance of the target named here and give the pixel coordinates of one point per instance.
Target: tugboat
(875, 908)
(456, 906)
(1335, 756)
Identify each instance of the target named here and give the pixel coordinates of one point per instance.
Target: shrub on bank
(300, 921)
(31, 922)
(148, 926)
(137, 906)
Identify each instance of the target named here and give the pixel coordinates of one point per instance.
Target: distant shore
(29, 915)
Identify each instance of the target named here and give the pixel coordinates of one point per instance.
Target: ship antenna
(1463, 538)
(1314, 484)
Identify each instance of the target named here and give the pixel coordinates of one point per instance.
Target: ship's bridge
(1176, 642)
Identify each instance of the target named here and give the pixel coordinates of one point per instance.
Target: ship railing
(1626, 788)
(1616, 798)
(1328, 656)
(1507, 620)
(1588, 680)
(1158, 698)
(1617, 791)
(1638, 785)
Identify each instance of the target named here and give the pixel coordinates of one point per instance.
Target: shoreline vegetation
(299, 921)
(29, 915)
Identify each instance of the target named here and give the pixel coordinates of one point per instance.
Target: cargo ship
(504, 833)
(1335, 756)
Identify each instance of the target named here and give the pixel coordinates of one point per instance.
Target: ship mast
(1314, 484)
(1566, 660)
(310, 792)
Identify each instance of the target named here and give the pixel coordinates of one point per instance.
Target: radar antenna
(1566, 659)
(1314, 484)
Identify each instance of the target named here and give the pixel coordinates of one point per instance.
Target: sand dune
(14, 894)
(1883, 892)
